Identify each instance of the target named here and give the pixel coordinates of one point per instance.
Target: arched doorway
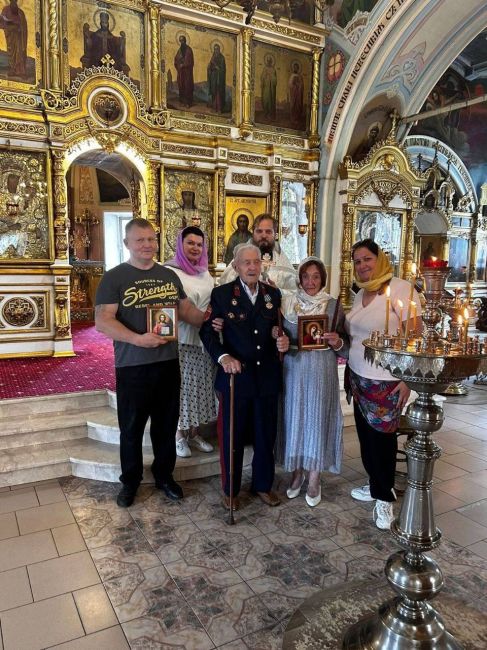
(103, 193)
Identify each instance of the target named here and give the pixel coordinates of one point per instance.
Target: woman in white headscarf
(310, 437)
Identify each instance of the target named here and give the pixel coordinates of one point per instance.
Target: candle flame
(466, 314)
(433, 258)
(413, 268)
(388, 291)
(400, 305)
(413, 304)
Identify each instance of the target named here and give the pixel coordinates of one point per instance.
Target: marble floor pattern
(79, 573)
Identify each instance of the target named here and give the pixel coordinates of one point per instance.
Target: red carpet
(91, 369)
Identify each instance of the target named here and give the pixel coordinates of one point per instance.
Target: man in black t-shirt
(146, 364)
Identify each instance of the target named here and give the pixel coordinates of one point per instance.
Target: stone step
(29, 406)
(33, 463)
(96, 460)
(18, 431)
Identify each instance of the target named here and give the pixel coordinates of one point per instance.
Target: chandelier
(277, 8)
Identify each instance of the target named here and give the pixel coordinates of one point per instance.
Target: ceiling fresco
(464, 129)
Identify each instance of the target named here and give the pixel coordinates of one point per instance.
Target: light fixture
(277, 8)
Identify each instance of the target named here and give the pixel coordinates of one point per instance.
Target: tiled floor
(79, 573)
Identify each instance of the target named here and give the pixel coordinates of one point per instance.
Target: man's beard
(266, 248)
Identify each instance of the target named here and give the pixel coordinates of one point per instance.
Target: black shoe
(171, 489)
(126, 496)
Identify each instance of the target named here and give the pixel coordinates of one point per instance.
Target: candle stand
(427, 364)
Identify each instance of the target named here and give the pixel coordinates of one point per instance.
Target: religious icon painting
(25, 207)
(200, 70)
(20, 55)
(310, 332)
(163, 321)
(188, 201)
(240, 212)
(104, 34)
(282, 87)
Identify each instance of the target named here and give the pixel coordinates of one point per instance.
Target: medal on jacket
(231, 314)
(268, 300)
(236, 294)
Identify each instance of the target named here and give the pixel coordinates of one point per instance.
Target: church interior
(344, 120)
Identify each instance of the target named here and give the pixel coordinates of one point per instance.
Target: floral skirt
(197, 398)
(375, 401)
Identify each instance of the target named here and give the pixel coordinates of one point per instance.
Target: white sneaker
(362, 493)
(182, 448)
(197, 442)
(383, 514)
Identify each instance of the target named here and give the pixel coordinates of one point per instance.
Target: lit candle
(400, 305)
(388, 308)
(465, 325)
(460, 328)
(411, 294)
(414, 314)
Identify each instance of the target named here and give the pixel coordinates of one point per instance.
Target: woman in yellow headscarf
(378, 397)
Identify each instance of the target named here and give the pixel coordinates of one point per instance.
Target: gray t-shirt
(132, 289)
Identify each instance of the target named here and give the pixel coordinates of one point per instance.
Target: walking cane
(231, 520)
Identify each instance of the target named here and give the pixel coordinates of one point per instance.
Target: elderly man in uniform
(249, 309)
(276, 268)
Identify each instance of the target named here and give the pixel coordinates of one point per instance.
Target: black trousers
(257, 416)
(378, 451)
(150, 390)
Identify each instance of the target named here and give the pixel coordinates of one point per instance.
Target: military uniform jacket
(246, 336)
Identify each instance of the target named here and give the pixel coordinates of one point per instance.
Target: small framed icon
(163, 321)
(310, 332)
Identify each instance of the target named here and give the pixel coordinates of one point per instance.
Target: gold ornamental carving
(85, 186)
(153, 195)
(54, 55)
(235, 156)
(220, 246)
(289, 32)
(346, 260)
(295, 164)
(155, 57)
(247, 179)
(314, 136)
(472, 267)
(275, 196)
(313, 217)
(60, 207)
(185, 150)
(208, 8)
(62, 327)
(246, 127)
(40, 302)
(18, 312)
(409, 244)
(23, 128)
(200, 127)
(279, 138)
(19, 99)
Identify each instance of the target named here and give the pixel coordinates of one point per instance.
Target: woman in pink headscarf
(197, 398)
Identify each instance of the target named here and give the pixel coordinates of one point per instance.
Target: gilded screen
(200, 73)
(94, 31)
(282, 87)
